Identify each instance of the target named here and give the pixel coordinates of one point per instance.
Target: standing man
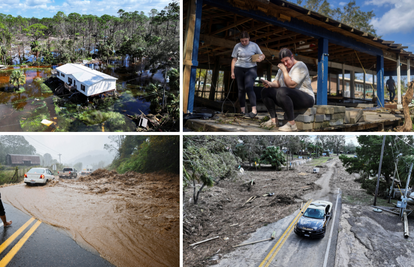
(391, 88)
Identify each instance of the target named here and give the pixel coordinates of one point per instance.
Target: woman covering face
(244, 70)
(290, 90)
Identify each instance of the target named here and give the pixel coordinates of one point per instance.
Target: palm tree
(17, 78)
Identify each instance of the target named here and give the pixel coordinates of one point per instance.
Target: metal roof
(84, 74)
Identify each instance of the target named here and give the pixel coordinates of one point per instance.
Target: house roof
(84, 74)
(275, 24)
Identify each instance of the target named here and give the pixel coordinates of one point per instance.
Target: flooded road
(23, 109)
(130, 219)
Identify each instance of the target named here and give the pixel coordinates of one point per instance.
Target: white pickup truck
(86, 171)
(68, 172)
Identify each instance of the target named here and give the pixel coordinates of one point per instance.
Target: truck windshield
(67, 169)
(314, 213)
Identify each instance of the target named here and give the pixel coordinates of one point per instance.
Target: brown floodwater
(130, 220)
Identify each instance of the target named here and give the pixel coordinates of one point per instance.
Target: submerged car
(314, 220)
(38, 176)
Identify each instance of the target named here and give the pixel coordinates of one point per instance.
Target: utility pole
(379, 171)
(59, 158)
(393, 177)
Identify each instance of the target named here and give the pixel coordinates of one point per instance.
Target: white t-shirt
(300, 75)
(244, 54)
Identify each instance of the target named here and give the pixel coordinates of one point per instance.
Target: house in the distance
(26, 160)
(85, 80)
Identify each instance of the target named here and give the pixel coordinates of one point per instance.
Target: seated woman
(290, 90)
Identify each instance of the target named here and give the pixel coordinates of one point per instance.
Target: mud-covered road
(222, 211)
(360, 236)
(130, 219)
(295, 250)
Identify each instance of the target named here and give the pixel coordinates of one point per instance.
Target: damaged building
(348, 67)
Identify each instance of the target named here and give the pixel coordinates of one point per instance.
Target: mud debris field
(222, 211)
(130, 219)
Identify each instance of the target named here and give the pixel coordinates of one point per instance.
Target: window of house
(70, 80)
(83, 87)
(63, 75)
(58, 73)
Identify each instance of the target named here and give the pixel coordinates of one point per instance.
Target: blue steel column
(194, 57)
(322, 94)
(380, 81)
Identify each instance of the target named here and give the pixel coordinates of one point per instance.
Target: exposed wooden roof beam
(239, 22)
(279, 38)
(269, 34)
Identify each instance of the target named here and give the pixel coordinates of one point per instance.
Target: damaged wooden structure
(319, 118)
(22, 160)
(329, 48)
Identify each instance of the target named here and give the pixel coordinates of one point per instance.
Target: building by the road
(22, 160)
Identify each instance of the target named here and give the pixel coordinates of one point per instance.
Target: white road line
(330, 234)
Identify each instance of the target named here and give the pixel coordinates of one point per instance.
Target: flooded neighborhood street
(23, 108)
(130, 219)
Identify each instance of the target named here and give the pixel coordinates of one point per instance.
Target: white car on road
(38, 176)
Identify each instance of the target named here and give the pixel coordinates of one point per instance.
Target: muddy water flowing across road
(128, 223)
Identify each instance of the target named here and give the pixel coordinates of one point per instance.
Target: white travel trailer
(87, 81)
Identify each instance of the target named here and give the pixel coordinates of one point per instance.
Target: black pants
(245, 80)
(2, 212)
(392, 95)
(286, 98)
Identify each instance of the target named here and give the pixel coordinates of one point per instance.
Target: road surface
(45, 245)
(295, 250)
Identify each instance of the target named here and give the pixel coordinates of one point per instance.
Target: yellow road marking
(19, 245)
(16, 234)
(269, 258)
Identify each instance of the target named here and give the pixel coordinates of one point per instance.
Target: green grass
(319, 161)
(21, 90)
(5, 176)
(45, 88)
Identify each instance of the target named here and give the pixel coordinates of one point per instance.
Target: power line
(42, 144)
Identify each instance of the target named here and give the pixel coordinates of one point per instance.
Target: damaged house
(85, 80)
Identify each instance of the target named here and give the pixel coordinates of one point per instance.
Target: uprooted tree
(208, 159)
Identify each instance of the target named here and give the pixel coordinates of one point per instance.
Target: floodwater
(125, 219)
(24, 110)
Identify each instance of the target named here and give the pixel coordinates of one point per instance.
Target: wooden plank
(188, 49)
(216, 41)
(239, 22)
(231, 124)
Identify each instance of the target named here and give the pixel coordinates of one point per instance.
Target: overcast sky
(70, 146)
(49, 8)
